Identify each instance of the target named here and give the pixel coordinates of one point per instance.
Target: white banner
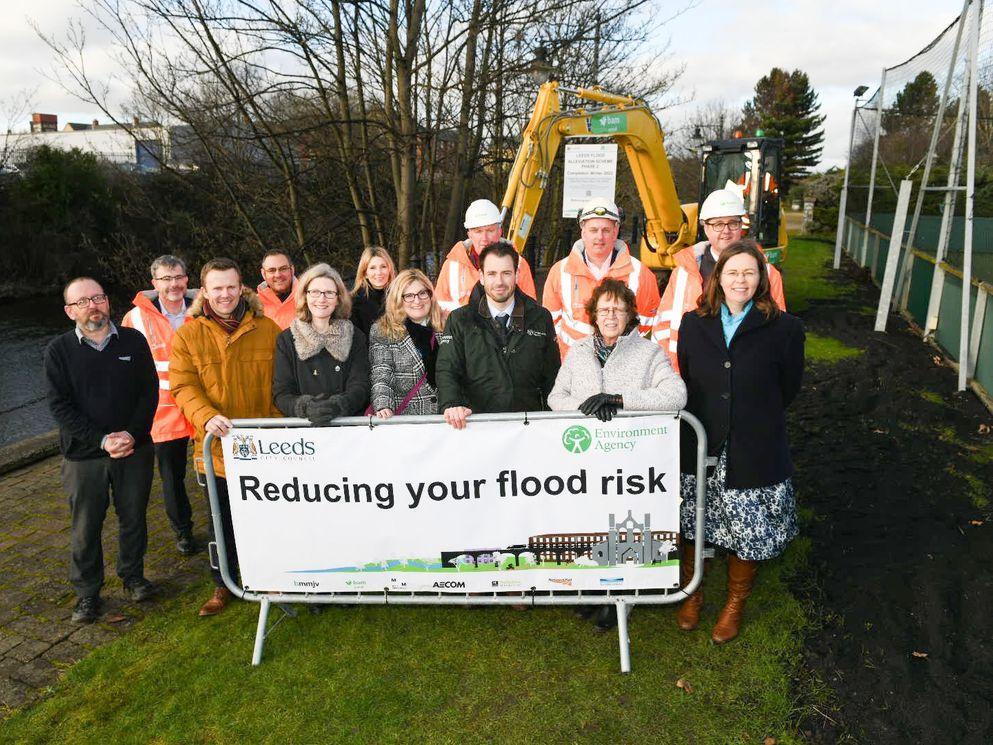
(554, 504)
(590, 171)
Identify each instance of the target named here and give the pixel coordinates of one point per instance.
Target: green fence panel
(921, 275)
(879, 266)
(984, 357)
(949, 316)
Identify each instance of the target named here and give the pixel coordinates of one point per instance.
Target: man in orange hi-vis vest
(157, 314)
(276, 289)
(460, 271)
(597, 255)
(721, 214)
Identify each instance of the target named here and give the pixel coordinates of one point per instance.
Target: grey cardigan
(637, 369)
(396, 366)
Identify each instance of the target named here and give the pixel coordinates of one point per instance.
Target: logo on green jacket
(576, 439)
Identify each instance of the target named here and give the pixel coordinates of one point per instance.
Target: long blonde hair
(370, 253)
(344, 307)
(390, 323)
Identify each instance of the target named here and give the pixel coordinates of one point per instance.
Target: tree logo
(577, 439)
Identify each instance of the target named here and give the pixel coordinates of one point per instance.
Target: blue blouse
(730, 321)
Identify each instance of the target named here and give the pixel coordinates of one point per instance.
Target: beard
(96, 322)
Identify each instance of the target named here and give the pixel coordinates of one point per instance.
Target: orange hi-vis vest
(458, 276)
(281, 311)
(570, 283)
(145, 316)
(683, 292)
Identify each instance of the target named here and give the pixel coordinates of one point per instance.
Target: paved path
(37, 639)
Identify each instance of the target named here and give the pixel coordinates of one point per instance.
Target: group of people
(184, 363)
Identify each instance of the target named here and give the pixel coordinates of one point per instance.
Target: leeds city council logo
(576, 439)
(244, 448)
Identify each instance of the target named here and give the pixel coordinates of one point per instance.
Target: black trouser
(231, 551)
(90, 486)
(171, 456)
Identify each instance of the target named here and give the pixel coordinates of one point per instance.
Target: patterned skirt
(754, 524)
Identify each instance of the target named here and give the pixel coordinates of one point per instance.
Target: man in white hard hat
(460, 272)
(597, 255)
(721, 214)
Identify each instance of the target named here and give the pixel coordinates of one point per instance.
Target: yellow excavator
(752, 165)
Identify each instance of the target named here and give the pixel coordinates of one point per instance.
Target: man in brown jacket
(221, 369)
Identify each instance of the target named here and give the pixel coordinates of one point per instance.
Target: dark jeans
(231, 551)
(90, 486)
(171, 457)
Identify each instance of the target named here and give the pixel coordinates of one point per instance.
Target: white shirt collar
(494, 312)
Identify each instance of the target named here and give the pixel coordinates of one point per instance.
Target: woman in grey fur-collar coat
(614, 367)
(403, 348)
(321, 368)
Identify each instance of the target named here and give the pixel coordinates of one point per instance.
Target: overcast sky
(726, 47)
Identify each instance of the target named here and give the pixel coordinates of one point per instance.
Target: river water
(26, 326)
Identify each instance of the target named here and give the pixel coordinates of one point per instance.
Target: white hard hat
(598, 207)
(481, 213)
(722, 203)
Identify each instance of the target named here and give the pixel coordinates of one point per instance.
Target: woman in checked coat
(403, 348)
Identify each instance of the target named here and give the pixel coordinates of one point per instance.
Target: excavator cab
(752, 166)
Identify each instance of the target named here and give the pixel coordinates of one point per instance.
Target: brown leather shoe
(217, 602)
(688, 615)
(741, 578)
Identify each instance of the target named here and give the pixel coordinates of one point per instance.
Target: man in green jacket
(498, 352)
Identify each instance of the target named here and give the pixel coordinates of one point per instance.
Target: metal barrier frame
(624, 603)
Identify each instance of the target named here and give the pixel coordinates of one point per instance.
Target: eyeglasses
(409, 297)
(169, 278)
(84, 302)
(604, 312)
(720, 227)
(278, 269)
(598, 212)
(327, 294)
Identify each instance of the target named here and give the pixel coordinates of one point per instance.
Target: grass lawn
(399, 674)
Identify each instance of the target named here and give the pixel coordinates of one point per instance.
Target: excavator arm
(628, 122)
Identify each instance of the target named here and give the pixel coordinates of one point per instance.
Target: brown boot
(688, 615)
(217, 602)
(741, 577)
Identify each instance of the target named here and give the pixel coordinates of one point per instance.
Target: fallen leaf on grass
(936, 359)
(975, 522)
(985, 429)
(769, 741)
(881, 431)
(115, 617)
(685, 685)
(921, 655)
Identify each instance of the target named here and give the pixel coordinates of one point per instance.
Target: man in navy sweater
(103, 391)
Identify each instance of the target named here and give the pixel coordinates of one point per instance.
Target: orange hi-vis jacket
(281, 311)
(145, 316)
(570, 283)
(458, 276)
(683, 292)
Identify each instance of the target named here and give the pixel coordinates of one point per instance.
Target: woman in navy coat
(742, 361)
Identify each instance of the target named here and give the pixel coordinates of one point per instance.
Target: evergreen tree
(914, 105)
(786, 106)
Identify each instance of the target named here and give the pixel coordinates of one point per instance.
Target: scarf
(427, 347)
(230, 325)
(308, 341)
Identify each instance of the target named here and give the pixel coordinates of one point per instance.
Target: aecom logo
(450, 585)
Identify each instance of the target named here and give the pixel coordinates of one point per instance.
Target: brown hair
(713, 293)
(276, 252)
(344, 307)
(391, 323)
(71, 282)
(368, 254)
(219, 264)
(613, 288)
(500, 247)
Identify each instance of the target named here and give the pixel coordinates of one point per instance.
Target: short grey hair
(167, 260)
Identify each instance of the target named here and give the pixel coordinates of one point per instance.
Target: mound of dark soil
(902, 550)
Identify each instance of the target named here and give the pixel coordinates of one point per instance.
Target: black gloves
(320, 409)
(602, 405)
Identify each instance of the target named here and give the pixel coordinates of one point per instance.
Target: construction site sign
(552, 504)
(590, 171)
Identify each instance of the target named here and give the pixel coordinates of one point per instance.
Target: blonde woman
(322, 367)
(375, 272)
(403, 348)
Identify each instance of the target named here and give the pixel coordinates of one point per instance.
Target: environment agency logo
(576, 439)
